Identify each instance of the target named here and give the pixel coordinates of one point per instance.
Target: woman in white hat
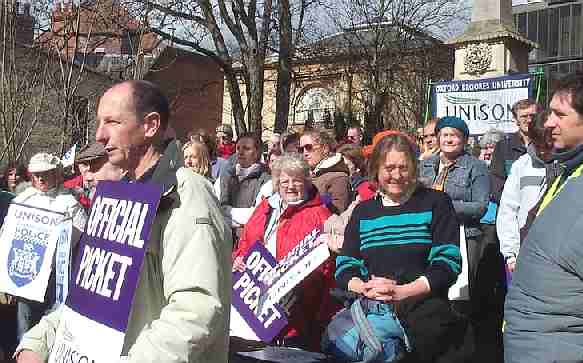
(47, 192)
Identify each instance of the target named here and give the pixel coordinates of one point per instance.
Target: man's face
(45, 180)
(429, 137)
(565, 123)
(223, 139)
(247, 153)
(98, 170)
(354, 136)
(524, 117)
(274, 142)
(120, 130)
(88, 170)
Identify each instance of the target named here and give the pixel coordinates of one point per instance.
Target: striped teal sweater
(420, 237)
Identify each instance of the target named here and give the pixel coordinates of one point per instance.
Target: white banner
(461, 289)
(69, 157)
(484, 104)
(67, 349)
(27, 245)
(301, 261)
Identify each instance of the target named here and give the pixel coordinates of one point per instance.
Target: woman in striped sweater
(402, 248)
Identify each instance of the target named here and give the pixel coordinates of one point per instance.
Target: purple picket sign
(111, 252)
(266, 320)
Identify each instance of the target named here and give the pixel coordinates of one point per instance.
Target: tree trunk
(255, 95)
(236, 104)
(282, 98)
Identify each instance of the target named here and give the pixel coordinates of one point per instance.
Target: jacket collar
(164, 171)
(331, 163)
(314, 200)
(462, 161)
(516, 143)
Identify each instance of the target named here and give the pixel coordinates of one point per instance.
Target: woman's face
(192, 157)
(13, 179)
(487, 151)
(395, 175)
(313, 151)
(292, 186)
(351, 167)
(451, 140)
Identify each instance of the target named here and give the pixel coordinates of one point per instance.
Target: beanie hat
(367, 150)
(454, 122)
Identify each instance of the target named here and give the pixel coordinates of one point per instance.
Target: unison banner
(105, 274)
(484, 104)
(27, 245)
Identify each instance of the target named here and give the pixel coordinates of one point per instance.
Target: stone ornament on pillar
(478, 58)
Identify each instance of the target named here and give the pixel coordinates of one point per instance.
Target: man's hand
(28, 356)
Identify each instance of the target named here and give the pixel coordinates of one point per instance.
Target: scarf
(243, 173)
(567, 161)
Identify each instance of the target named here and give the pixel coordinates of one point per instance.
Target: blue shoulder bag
(369, 331)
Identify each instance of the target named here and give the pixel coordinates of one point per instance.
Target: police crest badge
(27, 249)
(25, 257)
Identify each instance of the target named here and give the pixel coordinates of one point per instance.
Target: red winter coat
(310, 315)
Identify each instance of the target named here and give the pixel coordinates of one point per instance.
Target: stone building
(332, 76)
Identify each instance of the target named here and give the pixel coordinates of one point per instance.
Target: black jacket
(507, 151)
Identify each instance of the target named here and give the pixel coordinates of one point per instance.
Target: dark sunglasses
(307, 147)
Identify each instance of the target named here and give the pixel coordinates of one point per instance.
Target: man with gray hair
(47, 192)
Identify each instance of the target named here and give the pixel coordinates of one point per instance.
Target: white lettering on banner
(98, 279)
(251, 293)
(105, 215)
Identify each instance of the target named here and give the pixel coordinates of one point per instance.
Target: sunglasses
(307, 147)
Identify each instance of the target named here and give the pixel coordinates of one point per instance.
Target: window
(576, 38)
(564, 31)
(553, 40)
(532, 31)
(543, 34)
(522, 23)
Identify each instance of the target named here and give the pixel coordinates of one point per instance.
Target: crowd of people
(401, 218)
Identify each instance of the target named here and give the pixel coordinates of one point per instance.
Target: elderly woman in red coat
(280, 222)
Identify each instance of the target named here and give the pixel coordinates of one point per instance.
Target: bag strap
(365, 330)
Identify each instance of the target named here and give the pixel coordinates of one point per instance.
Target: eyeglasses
(307, 147)
(529, 116)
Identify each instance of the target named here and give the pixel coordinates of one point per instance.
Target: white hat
(43, 162)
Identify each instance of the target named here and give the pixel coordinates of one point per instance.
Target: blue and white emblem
(24, 259)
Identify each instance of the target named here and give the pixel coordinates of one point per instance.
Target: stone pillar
(490, 46)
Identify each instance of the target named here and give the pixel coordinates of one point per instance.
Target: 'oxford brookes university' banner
(105, 273)
(484, 104)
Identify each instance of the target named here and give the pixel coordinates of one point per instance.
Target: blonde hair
(202, 165)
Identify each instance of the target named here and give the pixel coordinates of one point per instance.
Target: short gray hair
(289, 162)
(491, 136)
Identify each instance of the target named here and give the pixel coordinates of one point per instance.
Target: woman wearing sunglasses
(330, 174)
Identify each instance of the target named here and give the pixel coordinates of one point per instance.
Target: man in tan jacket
(181, 306)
